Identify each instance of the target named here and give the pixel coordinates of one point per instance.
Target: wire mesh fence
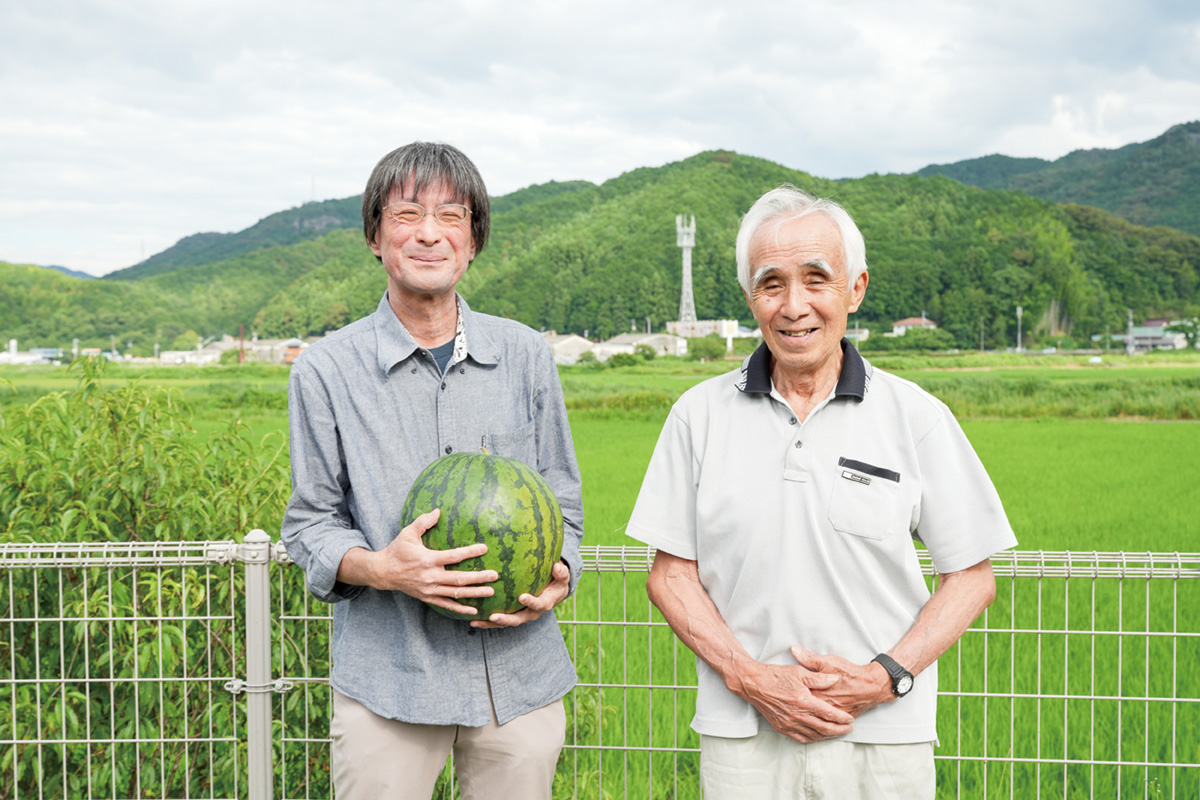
(178, 671)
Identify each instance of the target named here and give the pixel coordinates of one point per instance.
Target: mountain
(304, 223)
(576, 256)
(74, 273)
(1149, 183)
(597, 259)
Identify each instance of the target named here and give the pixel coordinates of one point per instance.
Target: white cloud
(128, 125)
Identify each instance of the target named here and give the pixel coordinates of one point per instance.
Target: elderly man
(784, 499)
(370, 406)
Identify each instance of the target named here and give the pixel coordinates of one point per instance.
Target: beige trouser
(375, 758)
(770, 766)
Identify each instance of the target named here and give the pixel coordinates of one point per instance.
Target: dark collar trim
(756, 373)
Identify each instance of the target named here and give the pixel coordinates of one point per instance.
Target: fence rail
(199, 669)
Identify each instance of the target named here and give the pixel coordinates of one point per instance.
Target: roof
(555, 338)
(638, 338)
(915, 322)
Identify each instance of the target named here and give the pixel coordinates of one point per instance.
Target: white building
(663, 344)
(567, 347)
(725, 328)
(1152, 337)
(908, 323)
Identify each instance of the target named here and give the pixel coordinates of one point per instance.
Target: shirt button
(462, 370)
(799, 444)
(792, 421)
(414, 370)
(472, 631)
(443, 386)
(448, 449)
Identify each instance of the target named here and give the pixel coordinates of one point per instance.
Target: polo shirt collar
(395, 343)
(853, 381)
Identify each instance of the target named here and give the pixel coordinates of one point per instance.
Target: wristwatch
(902, 679)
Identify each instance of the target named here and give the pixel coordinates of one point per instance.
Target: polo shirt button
(472, 631)
(414, 370)
(448, 449)
(792, 421)
(799, 444)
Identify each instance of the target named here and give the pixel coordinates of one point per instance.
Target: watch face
(904, 685)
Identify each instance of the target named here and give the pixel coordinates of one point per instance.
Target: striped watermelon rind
(501, 502)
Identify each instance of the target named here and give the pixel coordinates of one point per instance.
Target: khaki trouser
(375, 758)
(771, 766)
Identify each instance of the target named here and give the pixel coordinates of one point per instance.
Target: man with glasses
(370, 406)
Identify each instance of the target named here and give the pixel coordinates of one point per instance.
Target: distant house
(663, 344)
(271, 351)
(292, 348)
(1152, 337)
(704, 327)
(567, 347)
(206, 355)
(907, 324)
(857, 335)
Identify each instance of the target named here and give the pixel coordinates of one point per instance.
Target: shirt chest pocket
(520, 443)
(865, 504)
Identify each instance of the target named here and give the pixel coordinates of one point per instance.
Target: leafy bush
(124, 464)
(644, 352)
(624, 360)
(708, 348)
(912, 340)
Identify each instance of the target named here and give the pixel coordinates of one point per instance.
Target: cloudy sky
(126, 125)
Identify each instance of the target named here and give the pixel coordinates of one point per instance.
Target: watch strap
(894, 670)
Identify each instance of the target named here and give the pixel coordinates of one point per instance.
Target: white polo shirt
(803, 533)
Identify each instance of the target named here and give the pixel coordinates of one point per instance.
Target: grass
(1079, 466)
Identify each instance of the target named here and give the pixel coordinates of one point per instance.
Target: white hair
(787, 203)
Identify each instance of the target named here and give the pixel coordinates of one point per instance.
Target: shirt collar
(395, 343)
(854, 380)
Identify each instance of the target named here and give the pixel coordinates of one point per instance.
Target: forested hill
(307, 222)
(581, 257)
(1149, 183)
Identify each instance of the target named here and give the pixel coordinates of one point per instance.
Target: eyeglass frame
(426, 212)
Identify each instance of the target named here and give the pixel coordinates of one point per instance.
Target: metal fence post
(256, 555)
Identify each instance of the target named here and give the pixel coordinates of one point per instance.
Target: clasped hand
(818, 699)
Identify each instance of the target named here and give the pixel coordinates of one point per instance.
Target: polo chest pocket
(865, 500)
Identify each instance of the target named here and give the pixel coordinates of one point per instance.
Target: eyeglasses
(411, 213)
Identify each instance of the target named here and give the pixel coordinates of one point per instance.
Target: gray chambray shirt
(368, 410)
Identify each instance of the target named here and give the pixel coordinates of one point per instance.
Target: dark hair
(415, 166)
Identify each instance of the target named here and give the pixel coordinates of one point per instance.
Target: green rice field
(1066, 688)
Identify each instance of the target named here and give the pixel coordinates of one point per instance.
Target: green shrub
(916, 339)
(624, 360)
(707, 348)
(125, 464)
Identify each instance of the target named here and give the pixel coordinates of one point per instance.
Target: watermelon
(501, 502)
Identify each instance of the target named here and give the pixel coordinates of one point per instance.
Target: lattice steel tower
(686, 238)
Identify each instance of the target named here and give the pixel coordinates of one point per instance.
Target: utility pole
(1129, 349)
(1020, 311)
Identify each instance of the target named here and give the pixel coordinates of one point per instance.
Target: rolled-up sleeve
(557, 464)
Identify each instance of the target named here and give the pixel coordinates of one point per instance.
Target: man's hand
(551, 595)
(407, 565)
(790, 698)
(854, 688)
